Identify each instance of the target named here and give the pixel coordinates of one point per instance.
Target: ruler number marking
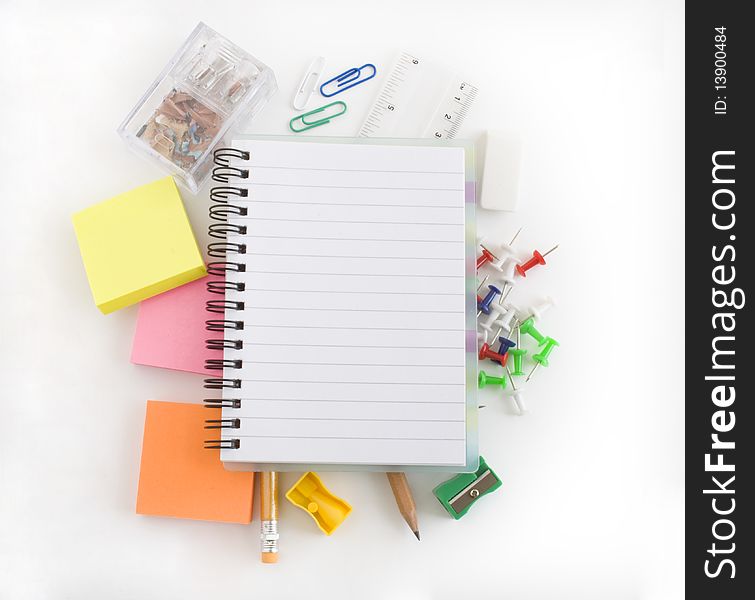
(447, 118)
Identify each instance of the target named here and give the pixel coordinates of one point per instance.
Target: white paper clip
(309, 83)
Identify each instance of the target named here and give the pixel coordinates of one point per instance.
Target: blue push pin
(484, 306)
(506, 343)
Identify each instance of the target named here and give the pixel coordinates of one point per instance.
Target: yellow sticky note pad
(137, 245)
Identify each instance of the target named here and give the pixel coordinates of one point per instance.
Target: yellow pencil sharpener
(328, 510)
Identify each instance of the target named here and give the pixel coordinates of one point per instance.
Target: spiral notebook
(344, 283)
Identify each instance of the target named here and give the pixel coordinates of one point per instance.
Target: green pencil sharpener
(458, 494)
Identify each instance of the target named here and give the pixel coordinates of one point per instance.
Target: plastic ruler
(419, 99)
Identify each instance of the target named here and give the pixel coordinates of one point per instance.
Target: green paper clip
(317, 122)
(458, 494)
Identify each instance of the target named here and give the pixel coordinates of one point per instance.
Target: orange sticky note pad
(179, 477)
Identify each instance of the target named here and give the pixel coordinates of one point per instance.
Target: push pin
(506, 345)
(486, 352)
(505, 317)
(505, 251)
(486, 257)
(528, 328)
(508, 273)
(518, 355)
(517, 396)
(537, 310)
(537, 259)
(484, 279)
(507, 263)
(504, 322)
(496, 310)
(484, 306)
(483, 379)
(542, 358)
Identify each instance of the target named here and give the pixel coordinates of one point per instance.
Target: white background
(592, 503)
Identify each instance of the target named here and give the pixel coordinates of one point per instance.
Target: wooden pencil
(404, 500)
(269, 516)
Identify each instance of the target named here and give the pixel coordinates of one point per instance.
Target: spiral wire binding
(220, 231)
(221, 207)
(222, 403)
(221, 268)
(220, 306)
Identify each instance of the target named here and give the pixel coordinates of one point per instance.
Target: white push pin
(507, 263)
(496, 310)
(504, 322)
(505, 251)
(517, 396)
(508, 273)
(537, 310)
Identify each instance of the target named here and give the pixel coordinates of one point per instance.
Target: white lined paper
(354, 305)
(346, 410)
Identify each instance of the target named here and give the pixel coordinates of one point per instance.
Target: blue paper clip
(347, 79)
(316, 123)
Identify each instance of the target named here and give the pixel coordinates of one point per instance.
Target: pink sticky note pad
(170, 330)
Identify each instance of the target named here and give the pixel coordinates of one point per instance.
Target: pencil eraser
(269, 557)
(500, 171)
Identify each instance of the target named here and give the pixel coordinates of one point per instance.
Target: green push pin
(528, 327)
(484, 379)
(542, 358)
(518, 355)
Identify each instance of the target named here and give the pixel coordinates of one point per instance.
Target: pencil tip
(416, 533)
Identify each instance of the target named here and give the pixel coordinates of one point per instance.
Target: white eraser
(500, 171)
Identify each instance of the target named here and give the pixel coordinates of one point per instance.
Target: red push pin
(485, 257)
(537, 259)
(486, 352)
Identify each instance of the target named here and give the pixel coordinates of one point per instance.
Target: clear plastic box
(209, 86)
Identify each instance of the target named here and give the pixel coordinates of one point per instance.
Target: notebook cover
(179, 478)
(170, 330)
(137, 245)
